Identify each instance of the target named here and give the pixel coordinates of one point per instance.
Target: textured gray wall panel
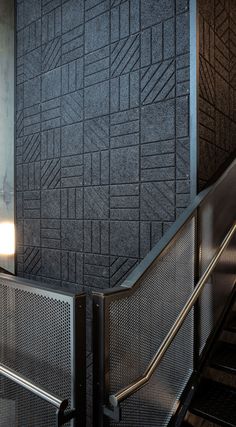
(217, 85)
(102, 145)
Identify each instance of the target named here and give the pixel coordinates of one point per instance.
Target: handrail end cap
(113, 400)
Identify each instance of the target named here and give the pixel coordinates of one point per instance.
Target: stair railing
(42, 354)
(54, 400)
(122, 394)
(172, 302)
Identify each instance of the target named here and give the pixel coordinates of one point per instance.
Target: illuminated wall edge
(7, 73)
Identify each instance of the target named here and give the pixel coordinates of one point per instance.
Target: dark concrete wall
(102, 146)
(217, 85)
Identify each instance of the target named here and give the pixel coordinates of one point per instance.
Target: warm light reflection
(7, 238)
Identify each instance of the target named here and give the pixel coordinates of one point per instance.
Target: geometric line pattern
(49, 5)
(19, 123)
(207, 81)
(96, 237)
(51, 55)
(120, 268)
(124, 128)
(72, 171)
(72, 108)
(51, 20)
(216, 87)
(32, 36)
(96, 134)
(222, 26)
(32, 261)
(72, 45)
(50, 144)
(94, 8)
(125, 56)
(31, 148)
(158, 82)
(96, 202)
(124, 18)
(157, 201)
(50, 173)
(51, 114)
(32, 120)
(97, 67)
(102, 133)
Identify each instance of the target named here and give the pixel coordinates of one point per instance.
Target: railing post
(99, 368)
(196, 316)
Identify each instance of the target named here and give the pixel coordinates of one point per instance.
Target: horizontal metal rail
(127, 391)
(24, 382)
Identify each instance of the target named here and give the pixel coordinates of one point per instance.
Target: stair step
(231, 324)
(215, 402)
(224, 357)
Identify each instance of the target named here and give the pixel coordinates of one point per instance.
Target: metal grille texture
(35, 341)
(137, 325)
(216, 291)
(216, 216)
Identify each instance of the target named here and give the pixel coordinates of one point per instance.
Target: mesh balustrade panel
(20, 408)
(216, 292)
(216, 215)
(136, 326)
(35, 341)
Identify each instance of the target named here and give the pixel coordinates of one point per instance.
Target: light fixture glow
(7, 238)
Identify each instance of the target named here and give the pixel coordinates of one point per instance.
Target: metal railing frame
(127, 391)
(108, 405)
(63, 414)
(56, 401)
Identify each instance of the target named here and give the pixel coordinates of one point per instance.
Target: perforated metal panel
(136, 326)
(216, 215)
(130, 323)
(20, 408)
(37, 341)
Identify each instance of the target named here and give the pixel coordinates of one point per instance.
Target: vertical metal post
(79, 359)
(99, 368)
(194, 87)
(196, 325)
(194, 152)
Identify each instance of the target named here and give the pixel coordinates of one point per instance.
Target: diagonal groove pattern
(50, 173)
(31, 148)
(51, 55)
(158, 82)
(72, 107)
(32, 260)
(125, 56)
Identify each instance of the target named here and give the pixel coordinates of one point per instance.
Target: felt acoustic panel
(102, 146)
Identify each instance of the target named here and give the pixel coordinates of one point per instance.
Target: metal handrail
(127, 391)
(24, 382)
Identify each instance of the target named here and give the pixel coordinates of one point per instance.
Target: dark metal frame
(101, 379)
(191, 387)
(79, 359)
(196, 310)
(138, 383)
(102, 408)
(194, 86)
(77, 304)
(101, 298)
(59, 403)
